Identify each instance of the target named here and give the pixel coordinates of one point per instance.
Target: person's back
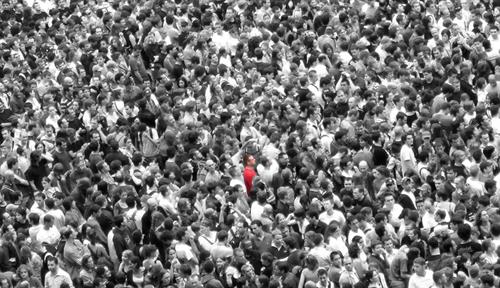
(221, 249)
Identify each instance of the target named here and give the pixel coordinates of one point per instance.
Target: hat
(426, 134)
(226, 86)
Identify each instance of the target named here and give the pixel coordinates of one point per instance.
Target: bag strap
(211, 243)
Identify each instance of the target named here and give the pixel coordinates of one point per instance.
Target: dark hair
(51, 258)
(464, 231)
(85, 261)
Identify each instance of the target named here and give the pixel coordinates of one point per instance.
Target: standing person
(421, 277)
(56, 276)
(323, 282)
(137, 68)
(74, 251)
(116, 241)
(408, 160)
(48, 235)
(37, 170)
(249, 173)
(348, 277)
(310, 271)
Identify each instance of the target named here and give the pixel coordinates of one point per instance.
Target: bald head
(363, 165)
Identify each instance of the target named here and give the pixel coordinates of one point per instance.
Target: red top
(248, 175)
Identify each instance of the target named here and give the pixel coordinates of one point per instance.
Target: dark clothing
(294, 259)
(106, 220)
(469, 247)
(146, 225)
(278, 253)
(290, 281)
(172, 167)
(433, 262)
(209, 279)
(5, 264)
(64, 158)
(365, 202)
(380, 156)
(36, 173)
(119, 242)
(406, 202)
(319, 227)
(116, 155)
(262, 244)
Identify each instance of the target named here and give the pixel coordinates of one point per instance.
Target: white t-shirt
(256, 211)
(421, 281)
(408, 160)
(50, 236)
(336, 216)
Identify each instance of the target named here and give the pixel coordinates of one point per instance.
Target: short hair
(257, 222)
(419, 260)
(51, 258)
(48, 218)
(208, 266)
(322, 272)
(222, 235)
(441, 213)
(334, 253)
(488, 279)
(34, 218)
(464, 231)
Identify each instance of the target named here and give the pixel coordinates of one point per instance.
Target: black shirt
(36, 173)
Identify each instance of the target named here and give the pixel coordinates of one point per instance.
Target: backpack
(131, 225)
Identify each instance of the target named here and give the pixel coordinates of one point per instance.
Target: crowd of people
(249, 144)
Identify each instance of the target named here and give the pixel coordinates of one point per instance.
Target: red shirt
(248, 175)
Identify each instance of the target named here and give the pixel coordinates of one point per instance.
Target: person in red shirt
(249, 172)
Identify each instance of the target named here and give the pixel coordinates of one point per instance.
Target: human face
(52, 266)
(419, 269)
(249, 272)
(348, 264)
(251, 161)
(327, 204)
(5, 134)
(91, 263)
(96, 137)
(348, 183)
(337, 261)
(388, 245)
(23, 274)
(409, 140)
(171, 254)
(450, 175)
(323, 279)
(389, 201)
(256, 229)
(357, 193)
(240, 257)
(354, 225)
(40, 148)
(379, 249)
